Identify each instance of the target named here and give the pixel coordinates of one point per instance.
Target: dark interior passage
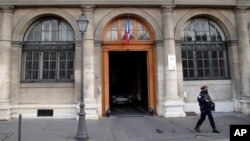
(128, 83)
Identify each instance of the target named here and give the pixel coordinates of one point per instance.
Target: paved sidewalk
(147, 128)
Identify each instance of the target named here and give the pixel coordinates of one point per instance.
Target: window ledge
(47, 85)
(207, 82)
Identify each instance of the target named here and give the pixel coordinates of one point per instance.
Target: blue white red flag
(127, 34)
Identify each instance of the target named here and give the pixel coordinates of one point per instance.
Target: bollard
(19, 127)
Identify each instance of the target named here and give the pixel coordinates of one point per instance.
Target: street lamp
(82, 130)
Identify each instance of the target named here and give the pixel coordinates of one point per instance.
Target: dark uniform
(205, 109)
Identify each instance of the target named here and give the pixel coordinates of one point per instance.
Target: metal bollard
(19, 127)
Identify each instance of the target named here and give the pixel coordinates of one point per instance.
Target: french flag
(127, 34)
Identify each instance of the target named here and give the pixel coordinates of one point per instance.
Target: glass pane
(184, 63)
(54, 24)
(31, 36)
(45, 55)
(190, 54)
(46, 36)
(114, 26)
(46, 25)
(200, 73)
(63, 35)
(28, 75)
(70, 35)
(204, 37)
(185, 73)
(70, 55)
(35, 33)
(214, 54)
(62, 64)
(191, 73)
(29, 65)
(45, 64)
(205, 54)
(53, 65)
(62, 74)
(199, 54)
(63, 55)
(222, 63)
(215, 63)
(132, 35)
(52, 75)
(139, 27)
(54, 35)
(35, 74)
(143, 35)
(36, 65)
(36, 55)
(207, 73)
(221, 54)
(190, 64)
(52, 55)
(114, 35)
(206, 63)
(46, 30)
(188, 36)
(123, 37)
(199, 63)
(108, 36)
(70, 65)
(28, 55)
(216, 73)
(222, 73)
(70, 75)
(183, 54)
(45, 75)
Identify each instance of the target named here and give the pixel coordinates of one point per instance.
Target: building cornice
(126, 3)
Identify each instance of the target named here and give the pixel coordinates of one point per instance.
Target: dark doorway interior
(128, 83)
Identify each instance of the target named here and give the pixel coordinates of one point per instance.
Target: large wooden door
(141, 38)
(105, 73)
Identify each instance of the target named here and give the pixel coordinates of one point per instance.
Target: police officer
(205, 109)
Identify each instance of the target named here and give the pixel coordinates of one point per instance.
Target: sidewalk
(147, 128)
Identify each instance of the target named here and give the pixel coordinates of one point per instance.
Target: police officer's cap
(203, 87)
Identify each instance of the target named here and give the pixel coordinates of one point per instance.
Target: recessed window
(204, 50)
(48, 52)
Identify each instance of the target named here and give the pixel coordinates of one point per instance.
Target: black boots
(197, 129)
(215, 130)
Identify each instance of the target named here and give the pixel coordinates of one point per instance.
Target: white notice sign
(171, 62)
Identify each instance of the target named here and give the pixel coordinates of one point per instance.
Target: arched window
(204, 50)
(115, 31)
(48, 51)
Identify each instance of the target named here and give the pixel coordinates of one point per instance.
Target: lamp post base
(82, 129)
(82, 137)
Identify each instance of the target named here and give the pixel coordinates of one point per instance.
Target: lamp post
(82, 130)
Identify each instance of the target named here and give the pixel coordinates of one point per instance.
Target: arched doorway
(128, 64)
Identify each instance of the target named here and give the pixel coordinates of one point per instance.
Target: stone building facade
(186, 44)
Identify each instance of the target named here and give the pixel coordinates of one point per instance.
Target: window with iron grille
(48, 52)
(204, 50)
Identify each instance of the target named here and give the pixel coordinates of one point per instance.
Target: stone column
(174, 105)
(179, 69)
(5, 61)
(98, 74)
(159, 76)
(88, 64)
(244, 58)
